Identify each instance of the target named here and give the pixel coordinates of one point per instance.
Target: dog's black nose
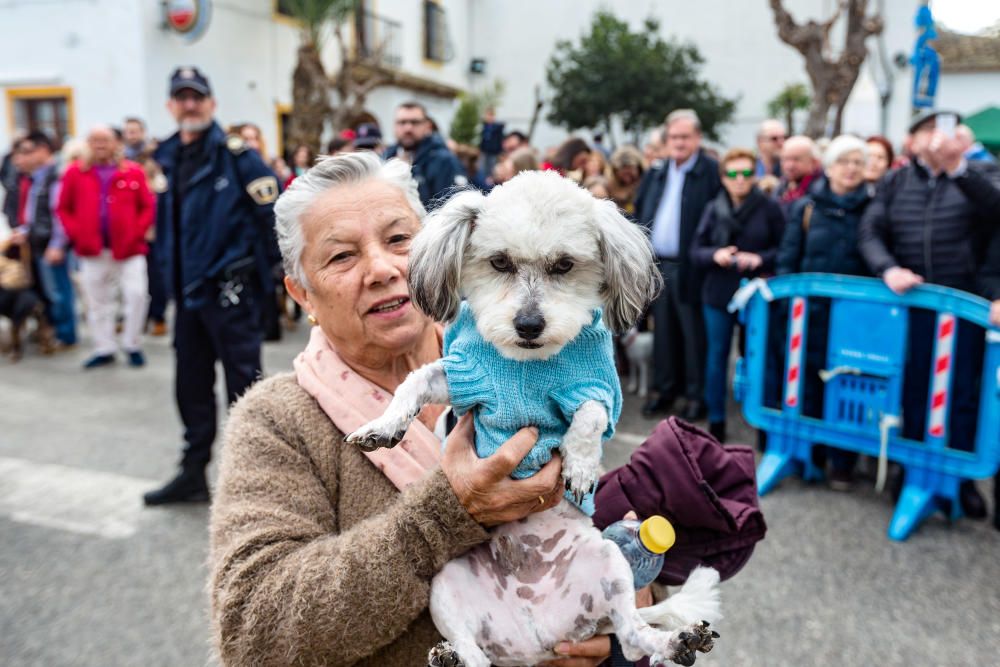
(529, 325)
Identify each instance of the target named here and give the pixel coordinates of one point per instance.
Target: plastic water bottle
(643, 545)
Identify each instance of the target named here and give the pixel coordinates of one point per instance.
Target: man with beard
(435, 168)
(216, 244)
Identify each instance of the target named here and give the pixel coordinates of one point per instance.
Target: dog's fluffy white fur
(539, 249)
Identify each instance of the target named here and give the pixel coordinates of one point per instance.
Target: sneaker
(189, 486)
(98, 360)
(136, 359)
(841, 480)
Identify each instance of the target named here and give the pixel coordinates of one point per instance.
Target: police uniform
(215, 245)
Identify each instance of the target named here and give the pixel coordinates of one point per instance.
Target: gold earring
(312, 320)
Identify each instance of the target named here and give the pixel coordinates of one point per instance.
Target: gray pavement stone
(826, 587)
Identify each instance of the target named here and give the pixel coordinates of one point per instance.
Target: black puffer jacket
(830, 245)
(935, 226)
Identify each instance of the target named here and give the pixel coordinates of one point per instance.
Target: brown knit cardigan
(316, 558)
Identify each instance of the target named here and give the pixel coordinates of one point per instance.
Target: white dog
(540, 263)
(639, 352)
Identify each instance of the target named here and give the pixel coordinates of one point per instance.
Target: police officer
(215, 243)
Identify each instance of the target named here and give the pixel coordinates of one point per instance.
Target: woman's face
(847, 172)
(580, 161)
(627, 174)
(301, 157)
(357, 242)
(251, 138)
(878, 162)
(595, 165)
(738, 177)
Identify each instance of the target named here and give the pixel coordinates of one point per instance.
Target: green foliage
(793, 97)
(314, 14)
(636, 77)
(465, 125)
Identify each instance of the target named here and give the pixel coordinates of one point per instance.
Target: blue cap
(189, 77)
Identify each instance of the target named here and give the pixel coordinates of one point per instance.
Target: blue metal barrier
(864, 378)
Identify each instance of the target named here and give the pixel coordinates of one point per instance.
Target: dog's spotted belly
(545, 579)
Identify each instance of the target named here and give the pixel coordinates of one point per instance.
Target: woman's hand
(748, 261)
(724, 256)
(484, 486)
(901, 280)
(589, 653)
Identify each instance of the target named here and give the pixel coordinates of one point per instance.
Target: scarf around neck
(351, 401)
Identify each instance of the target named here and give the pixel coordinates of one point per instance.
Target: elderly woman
(320, 553)
(822, 236)
(737, 238)
(626, 172)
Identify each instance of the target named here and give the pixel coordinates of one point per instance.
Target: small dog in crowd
(19, 303)
(542, 266)
(639, 352)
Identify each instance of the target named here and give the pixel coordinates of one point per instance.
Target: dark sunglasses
(745, 173)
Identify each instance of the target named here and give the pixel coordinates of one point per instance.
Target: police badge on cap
(191, 78)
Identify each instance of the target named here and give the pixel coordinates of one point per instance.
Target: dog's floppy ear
(631, 277)
(437, 252)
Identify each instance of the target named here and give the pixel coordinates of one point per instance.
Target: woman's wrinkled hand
(589, 653)
(484, 486)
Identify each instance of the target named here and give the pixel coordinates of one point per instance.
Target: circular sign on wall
(188, 18)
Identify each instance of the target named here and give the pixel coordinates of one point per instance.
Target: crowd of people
(91, 215)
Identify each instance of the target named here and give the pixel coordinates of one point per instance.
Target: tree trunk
(310, 98)
(832, 80)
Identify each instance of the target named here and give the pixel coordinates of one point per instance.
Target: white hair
(841, 146)
(683, 114)
(329, 172)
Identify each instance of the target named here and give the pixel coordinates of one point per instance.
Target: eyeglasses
(734, 174)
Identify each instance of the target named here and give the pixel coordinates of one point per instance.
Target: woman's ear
(437, 252)
(299, 294)
(631, 278)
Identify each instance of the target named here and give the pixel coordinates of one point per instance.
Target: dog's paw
(580, 477)
(444, 655)
(379, 433)
(696, 639)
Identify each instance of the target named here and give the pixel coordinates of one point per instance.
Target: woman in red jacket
(106, 208)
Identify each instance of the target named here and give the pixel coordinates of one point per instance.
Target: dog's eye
(562, 266)
(502, 264)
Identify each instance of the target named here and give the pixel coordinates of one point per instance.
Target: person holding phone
(930, 222)
(737, 238)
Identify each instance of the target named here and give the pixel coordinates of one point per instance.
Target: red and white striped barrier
(944, 354)
(795, 340)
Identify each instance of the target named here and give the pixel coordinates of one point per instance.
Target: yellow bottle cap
(657, 534)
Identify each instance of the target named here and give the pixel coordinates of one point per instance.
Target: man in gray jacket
(929, 222)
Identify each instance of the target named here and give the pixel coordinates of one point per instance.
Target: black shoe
(98, 360)
(189, 486)
(657, 406)
(718, 430)
(841, 480)
(695, 410)
(973, 505)
(136, 359)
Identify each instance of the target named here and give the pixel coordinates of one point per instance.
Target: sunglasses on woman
(745, 173)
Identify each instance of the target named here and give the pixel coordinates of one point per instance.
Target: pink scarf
(351, 401)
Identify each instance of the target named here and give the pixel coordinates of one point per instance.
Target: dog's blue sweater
(506, 395)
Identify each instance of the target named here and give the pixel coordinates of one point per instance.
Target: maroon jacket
(708, 492)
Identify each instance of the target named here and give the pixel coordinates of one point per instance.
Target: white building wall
(969, 92)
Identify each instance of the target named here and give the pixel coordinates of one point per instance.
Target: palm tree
(310, 83)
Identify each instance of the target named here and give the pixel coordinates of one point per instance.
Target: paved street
(91, 579)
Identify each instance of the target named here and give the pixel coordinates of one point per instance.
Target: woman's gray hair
(841, 146)
(329, 172)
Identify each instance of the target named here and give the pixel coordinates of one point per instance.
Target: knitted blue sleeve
(469, 384)
(570, 397)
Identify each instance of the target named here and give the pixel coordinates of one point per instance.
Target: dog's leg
(643, 377)
(581, 448)
(424, 385)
